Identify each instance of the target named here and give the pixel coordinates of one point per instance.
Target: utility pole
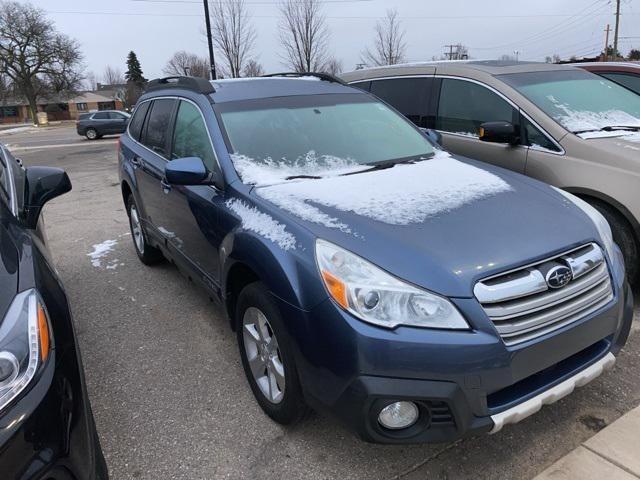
(212, 60)
(606, 44)
(615, 37)
(450, 54)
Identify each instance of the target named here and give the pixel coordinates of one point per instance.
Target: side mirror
(187, 171)
(499, 132)
(42, 184)
(433, 135)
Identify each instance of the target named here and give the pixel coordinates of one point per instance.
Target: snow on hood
(264, 225)
(576, 121)
(402, 195)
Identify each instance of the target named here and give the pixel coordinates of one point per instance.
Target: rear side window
(464, 106)
(157, 126)
(629, 80)
(5, 187)
(84, 116)
(410, 96)
(116, 116)
(135, 127)
(101, 116)
(191, 138)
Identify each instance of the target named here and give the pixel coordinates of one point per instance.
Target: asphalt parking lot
(166, 384)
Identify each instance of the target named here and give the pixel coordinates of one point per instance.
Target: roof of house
(91, 97)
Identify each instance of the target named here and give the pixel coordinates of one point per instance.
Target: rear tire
(91, 134)
(147, 254)
(267, 356)
(624, 237)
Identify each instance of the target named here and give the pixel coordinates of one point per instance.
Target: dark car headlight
(25, 342)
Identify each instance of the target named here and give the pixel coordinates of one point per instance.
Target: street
(167, 388)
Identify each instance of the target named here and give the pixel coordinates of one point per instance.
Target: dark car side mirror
(499, 132)
(433, 135)
(42, 184)
(189, 171)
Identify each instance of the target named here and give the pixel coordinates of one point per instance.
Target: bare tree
(233, 34)
(253, 69)
(112, 76)
(333, 66)
(91, 81)
(304, 35)
(553, 59)
(389, 46)
(37, 59)
(185, 63)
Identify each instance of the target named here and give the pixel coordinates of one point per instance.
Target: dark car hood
(442, 223)
(8, 271)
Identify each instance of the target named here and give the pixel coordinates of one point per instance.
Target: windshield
(579, 100)
(317, 135)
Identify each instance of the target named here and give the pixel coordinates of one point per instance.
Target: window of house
(157, 128)
(8, 112)
(82, 107)
(464, 106)
(190, 137)
(410, 96)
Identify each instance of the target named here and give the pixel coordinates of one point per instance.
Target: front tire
(147, 254)
(91, 134)
(267, 356)
(624, 237)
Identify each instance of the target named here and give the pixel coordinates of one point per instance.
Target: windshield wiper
(311, 177)
(611, 128)
(390, 163)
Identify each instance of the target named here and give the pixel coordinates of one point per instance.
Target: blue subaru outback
(415, 295)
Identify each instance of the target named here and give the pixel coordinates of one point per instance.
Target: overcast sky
(155, 29)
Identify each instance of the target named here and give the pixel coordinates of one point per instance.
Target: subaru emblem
(558, 276)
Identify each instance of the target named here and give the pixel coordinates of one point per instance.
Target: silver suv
(560, 124)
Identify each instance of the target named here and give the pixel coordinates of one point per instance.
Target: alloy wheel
(136, 229)
(263, 355)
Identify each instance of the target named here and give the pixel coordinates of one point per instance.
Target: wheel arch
(587, 194)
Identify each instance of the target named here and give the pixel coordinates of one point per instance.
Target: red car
(626, 74)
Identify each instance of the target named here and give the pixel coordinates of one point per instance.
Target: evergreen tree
(134, 71)
(634, 54)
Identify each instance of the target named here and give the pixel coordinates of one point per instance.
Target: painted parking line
(64, 145)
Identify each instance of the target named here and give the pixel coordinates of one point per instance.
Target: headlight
(604, 230)
(374, 296)
(24, 344)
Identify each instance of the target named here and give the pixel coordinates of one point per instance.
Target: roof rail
(322, 76)
(197, 84)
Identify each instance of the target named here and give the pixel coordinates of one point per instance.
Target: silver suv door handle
(136, 161)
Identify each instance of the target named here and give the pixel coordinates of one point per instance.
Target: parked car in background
(416, 295)
(557, 123)
(626, 74)
(104, 122)
(47, 429)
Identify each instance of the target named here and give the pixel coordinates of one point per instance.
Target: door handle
(166, 187)
(136, 161)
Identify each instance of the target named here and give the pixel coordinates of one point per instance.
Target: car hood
(442, 223)
(8, 271)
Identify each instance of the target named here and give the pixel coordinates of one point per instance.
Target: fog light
(398, 415)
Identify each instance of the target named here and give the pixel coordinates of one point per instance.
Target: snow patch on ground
(269, 171)
(100, 250)
(10, 131)
(404, 194)
(262, 224)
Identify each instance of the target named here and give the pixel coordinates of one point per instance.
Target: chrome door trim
(13, 195)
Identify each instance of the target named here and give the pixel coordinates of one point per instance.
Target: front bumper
(466, 383)
(49, 433)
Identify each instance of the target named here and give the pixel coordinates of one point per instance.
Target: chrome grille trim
(520, 315)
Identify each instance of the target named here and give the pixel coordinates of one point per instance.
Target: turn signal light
(336, 288)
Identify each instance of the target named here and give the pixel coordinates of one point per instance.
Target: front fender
(290, 275)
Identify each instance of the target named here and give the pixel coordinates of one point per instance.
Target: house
(59, 107)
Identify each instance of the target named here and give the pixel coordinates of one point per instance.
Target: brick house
(16, 110)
